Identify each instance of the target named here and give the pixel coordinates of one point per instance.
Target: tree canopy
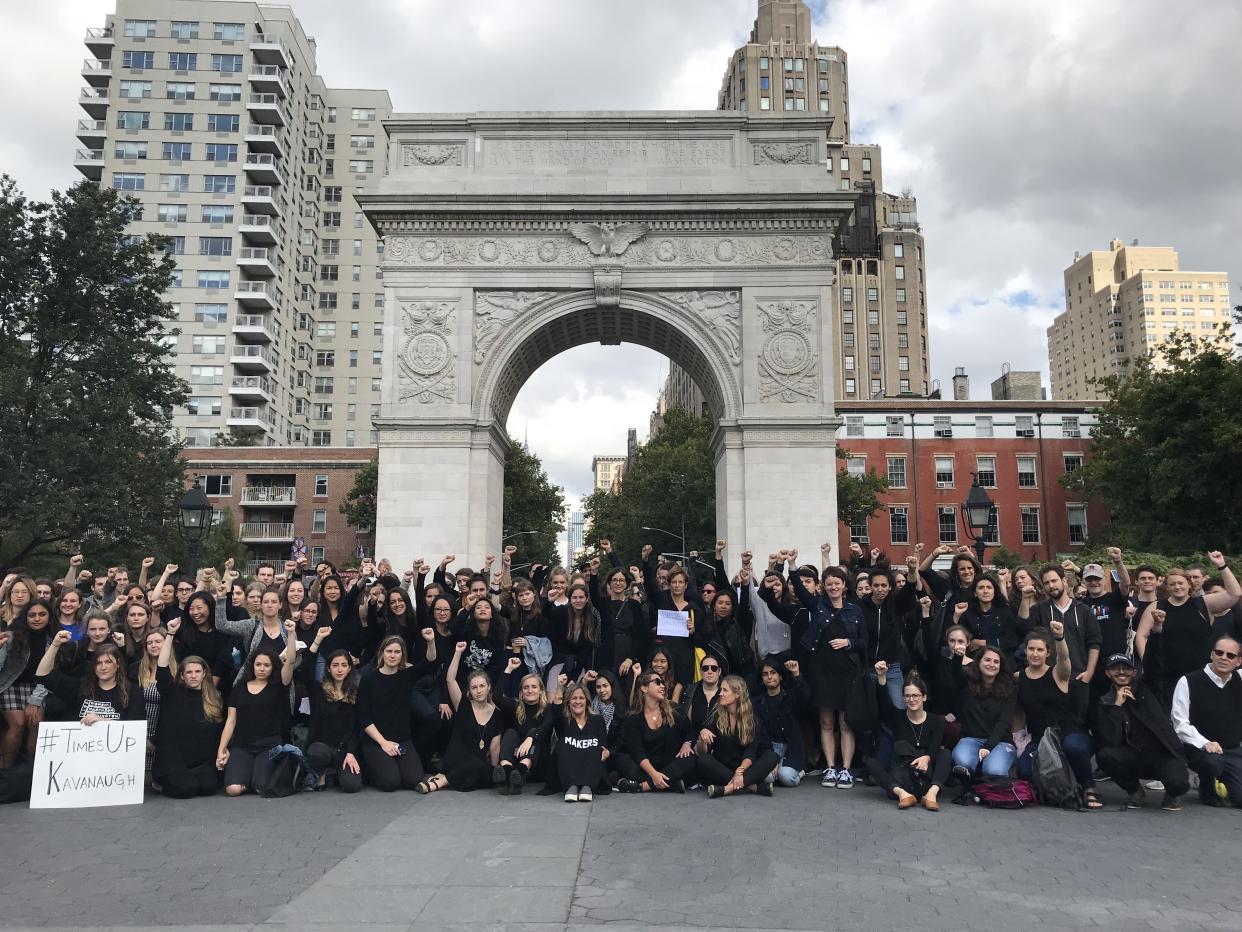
(359, 506)
(858, 497)
(532, 503)
(88, 458)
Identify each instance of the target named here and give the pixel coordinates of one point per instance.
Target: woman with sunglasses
(920, 764)
(656, 737)
(733, 754)
(700, 698)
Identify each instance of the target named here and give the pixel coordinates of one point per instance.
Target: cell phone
(401, 750)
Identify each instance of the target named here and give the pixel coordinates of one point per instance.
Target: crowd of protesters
(647, 677)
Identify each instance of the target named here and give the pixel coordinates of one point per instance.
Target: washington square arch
(511, 237)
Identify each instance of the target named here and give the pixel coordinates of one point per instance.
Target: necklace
(481, 728)
(917, 729)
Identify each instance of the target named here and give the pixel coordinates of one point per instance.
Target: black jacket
(1114, 722)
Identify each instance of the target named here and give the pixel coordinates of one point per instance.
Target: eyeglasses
(911, 698)
(710, 668)
(655, 681)
(1227, 654)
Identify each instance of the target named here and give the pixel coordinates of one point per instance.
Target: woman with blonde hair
(384, 714)
(144, 672)
(191, 716)
(733, 756)
(582, 746)
(523, 742)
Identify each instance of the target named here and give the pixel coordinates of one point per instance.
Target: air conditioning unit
(944, 485)
(1026, 433)
(945, 432)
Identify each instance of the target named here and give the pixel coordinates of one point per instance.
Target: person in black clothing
(191, 716)
(486, 637)
(661, 663)
(920, 762)
(779, 707)
(988, 617)
(733, 753)
(258, 716)
(623, 635)
(521, 746)
(581, 746)
(575, 630)
(986, 701)
(656, 738)
(384, 713)
(201, 638)
(884, 612)
(1082, 632)
(1135, 738)
(1207, 716)
(103, 692)
(1113, 614)
(678, 598)
(332, 738)
(700, 699)
(724, 634)
(32, 631)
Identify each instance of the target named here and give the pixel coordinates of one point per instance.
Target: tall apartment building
(1122, 303)
(575, 539)
(212, 114)
(881, 292)
(607, 472)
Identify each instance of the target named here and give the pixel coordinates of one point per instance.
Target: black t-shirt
(384, 701)
(1110, 611)
(260, 716)
(580, 751)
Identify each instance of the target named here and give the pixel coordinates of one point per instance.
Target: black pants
(1127, 766)
(712, 771)
(249, 767)
(388, 774)
(1226, 767)
(902, 775)
(472, 774)
(508, 749)
(187, 782)
(327, 760)
(679, 768)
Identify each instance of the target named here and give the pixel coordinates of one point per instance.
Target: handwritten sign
(671, 624)
(78, 766)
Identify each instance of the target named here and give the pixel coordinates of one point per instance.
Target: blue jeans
(894, 682)
(996, 764)
(1078, 750)
(785, 776)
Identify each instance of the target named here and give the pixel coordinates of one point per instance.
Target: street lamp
(194, 521)
(978, 510)
(681, 537)
(516, 534)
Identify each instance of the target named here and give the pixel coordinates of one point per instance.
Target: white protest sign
(671, 624)
(77, 766)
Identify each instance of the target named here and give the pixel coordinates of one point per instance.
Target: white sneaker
(571, 795)
(585, 795)
(1154, 785)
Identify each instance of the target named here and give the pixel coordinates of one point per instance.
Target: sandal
(1092, 800)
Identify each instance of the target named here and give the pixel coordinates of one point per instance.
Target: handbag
(862, 711)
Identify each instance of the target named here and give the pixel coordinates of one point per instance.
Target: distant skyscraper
(574, 540)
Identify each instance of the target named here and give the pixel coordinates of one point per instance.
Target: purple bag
(1005, 794)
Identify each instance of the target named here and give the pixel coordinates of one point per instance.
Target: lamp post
(681, 537)
(516, 534)
(194, 521)
(978, 510)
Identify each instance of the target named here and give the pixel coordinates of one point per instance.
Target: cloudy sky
(1028, 130)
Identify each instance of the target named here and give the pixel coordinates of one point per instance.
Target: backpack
(1004, 794)
(15, 782)
(1055, 783)
(288, 777)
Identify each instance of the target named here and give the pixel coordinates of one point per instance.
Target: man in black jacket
(1135, 738)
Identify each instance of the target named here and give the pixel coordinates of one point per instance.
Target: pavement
(808, 858)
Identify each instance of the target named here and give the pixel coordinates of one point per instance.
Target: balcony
(252, 358)
(92, 132)
(262, 531)
(263, 168)
(90, 162)
(94, 101)
(269, 495)
(256, 294)
(254, 418)
(99, 41)
(260, 228)
(97, 72)
(266, 108)
(251, 388)
(264, 138)
(252, 328)
(260, 199)
(257, 261)
(268, 79)
(268, 50)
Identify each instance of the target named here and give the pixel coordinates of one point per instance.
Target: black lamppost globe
(978, 509)
(194, 515)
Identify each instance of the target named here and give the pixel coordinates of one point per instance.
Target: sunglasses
(1227, 654)
(655, 681)
(709, 668)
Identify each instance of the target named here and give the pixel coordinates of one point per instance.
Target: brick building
(277, 494)
(930, 450)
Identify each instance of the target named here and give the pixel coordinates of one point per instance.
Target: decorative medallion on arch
(788, 360)
(427, 357)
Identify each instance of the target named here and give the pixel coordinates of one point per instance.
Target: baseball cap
(1119, 660)
(1093, 569)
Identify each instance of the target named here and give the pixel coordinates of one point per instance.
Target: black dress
(467, 760)
(580, 751)
(833, 671)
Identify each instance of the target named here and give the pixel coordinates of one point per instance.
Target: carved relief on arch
(427, 359)
(496, 311)
(719, 311)
(788, 361)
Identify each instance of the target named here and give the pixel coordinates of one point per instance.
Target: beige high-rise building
(607, 471)
(212, 114)
(1122, 303)
(881, 291)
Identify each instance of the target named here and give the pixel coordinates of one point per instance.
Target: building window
(225, 91)
(873, 294)
(217, 213)
(1072, 461)
(215, 246)
(897, 472)
(213, 279)
(856, 466)
(223, 122)
(1024, 425)
(172, 213)
(946, 521)
(858, 533)
(325, 358)
(211, 313)
(1026, 472)
(324, 385)
(851, 387)
(220, 152)
(1030, 524)
(985, 471)
(1077, 515)
(1070, 426)
(942, 426)
(233, 32)
(321, 485)
(894, 425)
(135, 119)
(140, 28)
(182, 61)
(203, 404)
(321, 438)
(899, 272)
(944, 472)
(362, 166)
(853, 426)
(991, 533)
(138, 60)
(184, 29)
(899, 524)
(226, 64)
(206, 375)
(217, 484)
(983, 427)
(135, 90)
(219, 184)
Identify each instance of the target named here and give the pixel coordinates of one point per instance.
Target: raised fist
(1057, 628)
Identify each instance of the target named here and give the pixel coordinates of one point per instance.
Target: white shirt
(1181, 707)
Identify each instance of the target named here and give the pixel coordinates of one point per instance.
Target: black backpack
(1055, 783)
(287, 777)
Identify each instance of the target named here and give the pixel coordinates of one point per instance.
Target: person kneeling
(1136, 739)
(1207, 716)
(920, 762)
(732, 755)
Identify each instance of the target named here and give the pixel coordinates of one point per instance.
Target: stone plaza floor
(809, 858)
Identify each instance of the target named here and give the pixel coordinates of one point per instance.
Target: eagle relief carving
(609, 240)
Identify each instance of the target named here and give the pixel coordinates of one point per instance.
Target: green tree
(673, 478)
(360, 501)
(532, 503)
(87, 456)
(858, 497)
(223, 543)
(1165, 453)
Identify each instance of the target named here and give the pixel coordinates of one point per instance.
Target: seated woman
(920, 762)
(656, 738)
(332, 738)
(779, 708)
(660, 663)
(385, 711)
(582, 746)
(609, 706)
(733, 755)
(258, 716)
(986, 701)
(191, 716)
(699, 701)
(103, 692)
(531, 719)
(474, 745)
(1046, 700)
